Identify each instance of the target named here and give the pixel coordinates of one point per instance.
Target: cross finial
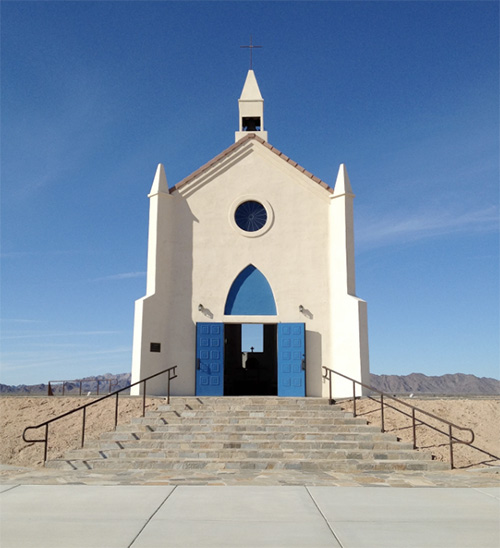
(250, 47)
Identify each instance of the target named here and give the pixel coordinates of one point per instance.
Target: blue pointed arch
(250, 295)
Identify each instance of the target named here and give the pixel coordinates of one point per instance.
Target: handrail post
(451, 446)
(83, 425)
(63, 388)
(116, 410)
(80, 389)
(330, 385)
(46, 443)
(97, 386)
(414, 428)
(354, 397)
(382, 412)
(144, 399)
(168, 389)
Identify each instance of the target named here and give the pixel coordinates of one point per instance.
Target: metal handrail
(171, 375)
(111, 382)
(414, 409)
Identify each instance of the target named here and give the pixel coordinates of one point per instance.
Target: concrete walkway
(132, 516)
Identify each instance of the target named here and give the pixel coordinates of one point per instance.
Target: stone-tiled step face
(230, 409)
(179, 435)
(197, 417)
(344, 465)
(242, 401)
(243, 404)
(256, 433)
(244, 415)
(154, 426)
(230, 422)
(233, 408)
(274, 431)
(256, 444)
(135, 456)
(263, 426)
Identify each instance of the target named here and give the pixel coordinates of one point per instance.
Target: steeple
(251, 107)
(342, 234)
(160, 182)
(342, 184)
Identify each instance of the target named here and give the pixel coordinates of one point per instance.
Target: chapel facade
(251, 238)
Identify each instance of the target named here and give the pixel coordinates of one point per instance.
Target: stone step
(262, 426)
(136, 455)
(269, 421)
(245, 401)
(246, 408)
(255, 444)
(276, 432)
(339, 466)
(228, 422)
(279, 432)
(277, 414)
(247, 435)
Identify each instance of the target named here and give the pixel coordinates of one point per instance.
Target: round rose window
(250, 216)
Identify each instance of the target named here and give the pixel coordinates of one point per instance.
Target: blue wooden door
(209, 359)
(291, 359)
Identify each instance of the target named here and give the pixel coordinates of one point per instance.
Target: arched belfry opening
(250, 295)
(250, 123)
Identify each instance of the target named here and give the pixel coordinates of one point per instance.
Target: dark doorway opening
(250, 370)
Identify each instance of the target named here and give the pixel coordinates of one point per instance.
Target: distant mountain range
(446, 385)
(416, 383)
(107, 383)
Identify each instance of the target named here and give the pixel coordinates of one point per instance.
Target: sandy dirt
(17, 412)
(482, 415)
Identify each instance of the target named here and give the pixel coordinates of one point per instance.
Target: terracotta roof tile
(236, 145)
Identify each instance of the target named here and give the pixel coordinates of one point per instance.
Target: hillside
(89, 384)
(451, 385)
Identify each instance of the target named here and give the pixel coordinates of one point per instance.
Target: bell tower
(251, 109)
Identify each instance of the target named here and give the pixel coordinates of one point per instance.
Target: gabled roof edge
(236, 145)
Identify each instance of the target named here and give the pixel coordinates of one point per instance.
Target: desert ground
(481, 414)
(16, 412)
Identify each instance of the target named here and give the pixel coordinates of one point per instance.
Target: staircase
(247, 433)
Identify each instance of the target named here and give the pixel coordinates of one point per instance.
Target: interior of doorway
(250, 360)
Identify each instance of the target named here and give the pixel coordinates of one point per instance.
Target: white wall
(201, 251)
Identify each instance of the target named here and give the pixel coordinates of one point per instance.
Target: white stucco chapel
(251, 238)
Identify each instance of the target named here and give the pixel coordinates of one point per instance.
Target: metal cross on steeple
(250, 47)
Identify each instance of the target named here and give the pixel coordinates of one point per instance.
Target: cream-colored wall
(348, 314)
(201, 252)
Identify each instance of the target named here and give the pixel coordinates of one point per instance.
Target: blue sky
(95, 94)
